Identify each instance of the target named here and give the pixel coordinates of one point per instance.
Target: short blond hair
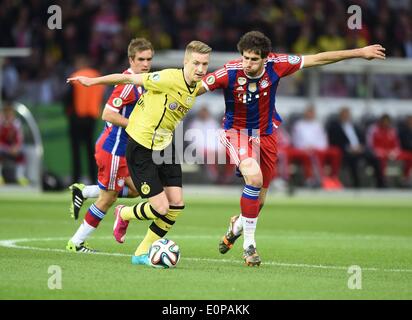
(138, 45)
(197, 47)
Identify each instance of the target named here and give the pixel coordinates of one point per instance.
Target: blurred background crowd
(362, 151)
(102, 29)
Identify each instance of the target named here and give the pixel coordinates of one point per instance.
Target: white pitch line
(12, 243)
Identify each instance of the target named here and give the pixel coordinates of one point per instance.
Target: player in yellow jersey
(155, 171)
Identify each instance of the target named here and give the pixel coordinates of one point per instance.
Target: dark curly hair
(256, 42)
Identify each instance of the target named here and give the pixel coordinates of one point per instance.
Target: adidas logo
(78, 201)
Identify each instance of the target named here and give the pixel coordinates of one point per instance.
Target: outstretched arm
(115, 118)
(115, 78)
(370, 52)
(201, 91)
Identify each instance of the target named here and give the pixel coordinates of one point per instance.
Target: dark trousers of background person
(352, 160)
(81, 132)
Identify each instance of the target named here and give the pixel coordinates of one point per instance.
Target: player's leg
(161, 226)
(247, 220)
(257, 175)
(170, 175)
(267, 161)
(94, 215)
(81, 192)
(111, 172)
(145, 176)
(250, 207)
(234, 141)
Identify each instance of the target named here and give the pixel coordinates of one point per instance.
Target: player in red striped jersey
(113, 174)
(249, 85)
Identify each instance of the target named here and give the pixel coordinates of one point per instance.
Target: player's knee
(162, 208)
(178, 203)
(255, 181)
(250, 167)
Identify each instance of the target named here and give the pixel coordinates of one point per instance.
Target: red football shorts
(263, 149)
(112, 169)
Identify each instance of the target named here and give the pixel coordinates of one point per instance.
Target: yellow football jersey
(168, 98)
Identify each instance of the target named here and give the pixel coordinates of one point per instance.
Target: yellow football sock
(141, 211)
(158, 229)
(144, 246)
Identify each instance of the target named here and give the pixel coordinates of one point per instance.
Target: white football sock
(238, 226)
(92, 191)
(84, 231)
(249, 228)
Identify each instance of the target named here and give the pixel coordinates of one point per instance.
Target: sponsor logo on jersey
(210, 79)
(189, 100)
(173, 106)
(117, 102)
(120, 182)
(252, 87)
(145, 188)
(182, 109)
(241, 80)
(155, 76)
(294, 59)
(264, 84)
(240, 89)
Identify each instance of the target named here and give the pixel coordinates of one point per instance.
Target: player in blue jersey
(249, 85)
(113, 174)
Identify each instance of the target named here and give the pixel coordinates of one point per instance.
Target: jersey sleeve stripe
(221, 71)
(205, 85)
(125, 88)
(126, 91)
(302, 64)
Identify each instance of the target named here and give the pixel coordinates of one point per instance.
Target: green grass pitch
(307, 246)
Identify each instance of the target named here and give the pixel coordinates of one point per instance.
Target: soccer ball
(164, 253)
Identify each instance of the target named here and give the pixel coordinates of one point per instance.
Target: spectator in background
(383, 139)
(83, 108)
(11, 143)
(405, 134)
(287, 154)
(347, 137)
(309, 135)
(205, 129)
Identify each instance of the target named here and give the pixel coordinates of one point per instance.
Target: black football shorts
(152, 170)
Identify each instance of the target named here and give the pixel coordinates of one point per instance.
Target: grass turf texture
(306, 245)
